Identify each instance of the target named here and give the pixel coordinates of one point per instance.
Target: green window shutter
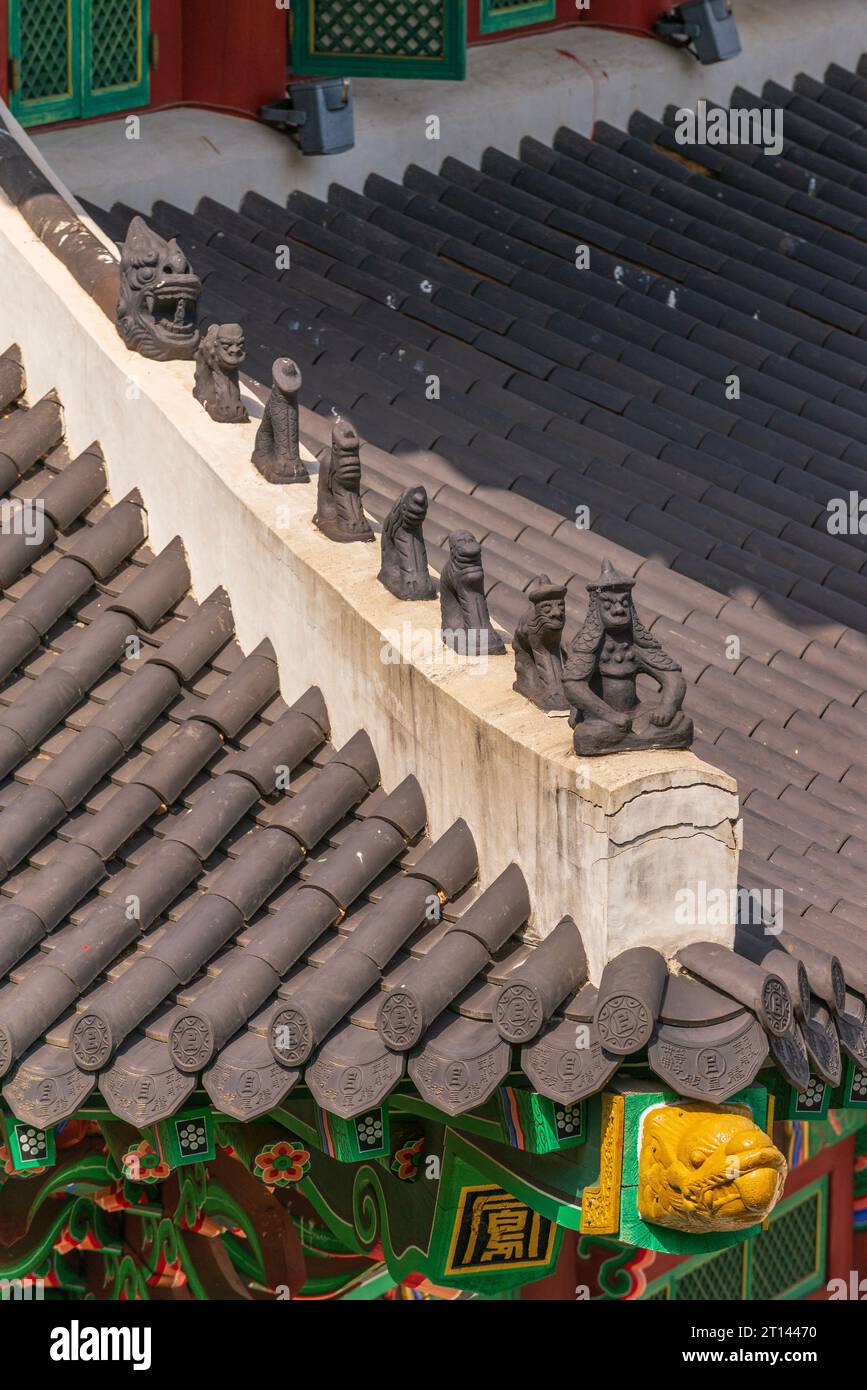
(380, 38)
(116, 70)
(75, 58)
(495, 15)
(44, 42)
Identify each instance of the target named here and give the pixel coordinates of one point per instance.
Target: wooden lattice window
(719, 1279)
(115, 44)
(380, 38)
(495, 15)
(76, 58)
(44, 39)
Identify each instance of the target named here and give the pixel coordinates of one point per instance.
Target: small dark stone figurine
(277, 454)
(612, 649)
(216, 387)
(404, 569)
(338, 509)
(159, 294)
(466, 623)
(538, 647)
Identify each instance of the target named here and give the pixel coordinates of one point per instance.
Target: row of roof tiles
(605, 388)
(196, 886)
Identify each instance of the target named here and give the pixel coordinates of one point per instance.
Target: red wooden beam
(838, 1161)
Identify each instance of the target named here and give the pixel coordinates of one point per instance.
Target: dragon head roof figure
(156, 312)
(706, 1168)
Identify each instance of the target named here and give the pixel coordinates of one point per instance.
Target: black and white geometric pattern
(32, 1144)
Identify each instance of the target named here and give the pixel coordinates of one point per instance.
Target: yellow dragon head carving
(706, 1168)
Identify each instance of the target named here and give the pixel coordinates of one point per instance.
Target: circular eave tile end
(290, 1037)
(400, 1021)
(191, 1043)
(625, 1024)
(519, 1013)
(92, 1042)
(776, 1006)
(7, 1050)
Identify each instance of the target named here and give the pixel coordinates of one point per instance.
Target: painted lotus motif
(142, 1163)
(282, 1164)
(405, 1161)
(9, 1168)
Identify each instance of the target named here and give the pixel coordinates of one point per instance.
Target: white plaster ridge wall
(526, 86)
(614, 853)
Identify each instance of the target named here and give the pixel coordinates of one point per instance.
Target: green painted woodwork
(380, 38)
(635, 1231)
(130, 1282)
(78, 58)
(540, 1125)
(495, 15)
(553, 1186)
(187, 1138)
(720, 1278)
(486, 1122)
(116, 69)
(482, 1235)
(788, 1259)
(837, 1125)
(464, 1222)
(351, 1141)
(811, 1104)
(44, 48)
(479, 1206)
(80, 1178)
(616, 1272)
(860, 1168)
(29, 1148)
(854, 1087)
(486, 1141)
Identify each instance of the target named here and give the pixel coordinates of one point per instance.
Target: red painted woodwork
(838, 1161)
(167, 78)
(234, 55)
